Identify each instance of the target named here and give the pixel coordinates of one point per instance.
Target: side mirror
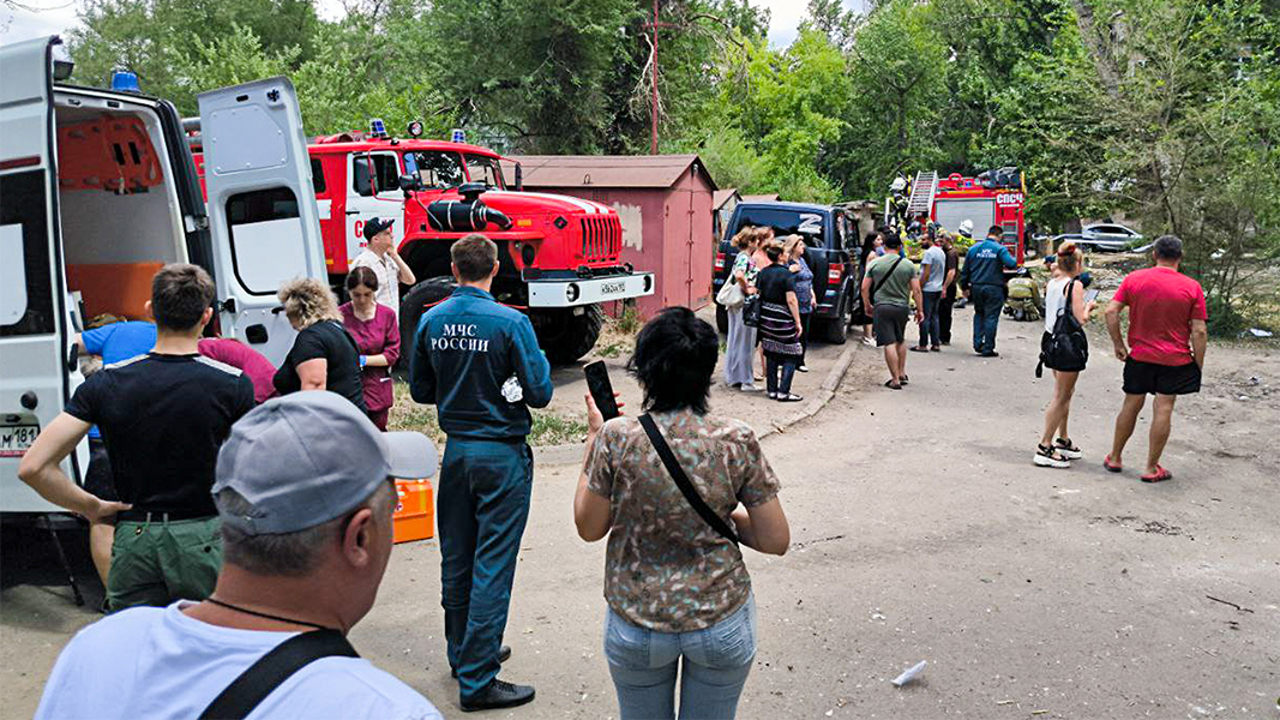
(409, 183)
(519, 177)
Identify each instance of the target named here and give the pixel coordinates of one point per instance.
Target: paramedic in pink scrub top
(230, 351)
(377, 334)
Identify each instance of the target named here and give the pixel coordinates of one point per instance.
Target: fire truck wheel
(566, 336)
(413, 304)
(835, 329)
(722, 319)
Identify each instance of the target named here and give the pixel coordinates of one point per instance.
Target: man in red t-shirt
(1165, 352)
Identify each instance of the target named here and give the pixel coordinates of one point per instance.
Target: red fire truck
(995, 197)
(557, 255)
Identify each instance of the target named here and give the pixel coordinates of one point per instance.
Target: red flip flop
(1160, 475)
(1106, 463)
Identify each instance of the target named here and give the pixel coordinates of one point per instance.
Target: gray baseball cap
(309, 457)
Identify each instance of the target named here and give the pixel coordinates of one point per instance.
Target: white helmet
(899, 184)
(966, 228)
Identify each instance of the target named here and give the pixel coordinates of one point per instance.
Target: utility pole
(653, 109)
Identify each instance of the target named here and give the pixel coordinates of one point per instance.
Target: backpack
(1067, 347)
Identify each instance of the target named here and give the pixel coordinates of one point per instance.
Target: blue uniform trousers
(988, 301)
(481, 511)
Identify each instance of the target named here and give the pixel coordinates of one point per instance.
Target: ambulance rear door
(35, 381)
(262, 208)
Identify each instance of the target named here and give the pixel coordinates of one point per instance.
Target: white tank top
(1055, 299)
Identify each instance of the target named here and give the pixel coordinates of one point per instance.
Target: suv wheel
(835, 330)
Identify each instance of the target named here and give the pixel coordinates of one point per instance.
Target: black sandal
(892, 385)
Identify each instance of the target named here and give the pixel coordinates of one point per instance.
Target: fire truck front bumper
(574, 292)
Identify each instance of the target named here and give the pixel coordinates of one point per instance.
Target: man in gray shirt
(933, 272)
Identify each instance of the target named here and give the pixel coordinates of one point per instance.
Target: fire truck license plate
(609, 289)
(16, 439)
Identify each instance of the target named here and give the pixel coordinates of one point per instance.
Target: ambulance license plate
(16, 439)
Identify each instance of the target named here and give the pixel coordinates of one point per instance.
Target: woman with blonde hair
(1064, 294)
(323, 356)
(741, 342)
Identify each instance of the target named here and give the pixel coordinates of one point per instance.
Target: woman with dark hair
(704, 626)
(780, 324)
(872, 247)
(377, 334)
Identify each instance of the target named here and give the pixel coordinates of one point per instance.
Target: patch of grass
(548, 427)
(552, 429)
(609, 349)
(629, 322)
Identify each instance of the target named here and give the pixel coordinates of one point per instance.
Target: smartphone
(601, 389)
(1090, 296)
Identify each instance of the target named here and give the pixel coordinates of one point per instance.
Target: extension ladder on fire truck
(922, 191)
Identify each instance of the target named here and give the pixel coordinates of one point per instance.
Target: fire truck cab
(98, 191)
(558, 256)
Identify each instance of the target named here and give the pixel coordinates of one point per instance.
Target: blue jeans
(931, 328)
(778, 373)
(715, 667)
(481, 511)
(988, 301)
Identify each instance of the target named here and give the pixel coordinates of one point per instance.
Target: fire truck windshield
(485, 169)
(438, 170)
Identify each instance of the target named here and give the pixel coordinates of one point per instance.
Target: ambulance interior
(120, 216)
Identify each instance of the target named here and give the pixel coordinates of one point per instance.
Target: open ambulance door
(262, 208)
(35, 365)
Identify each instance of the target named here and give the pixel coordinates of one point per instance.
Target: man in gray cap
(304, 488)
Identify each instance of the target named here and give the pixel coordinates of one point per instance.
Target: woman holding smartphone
(1065, 286)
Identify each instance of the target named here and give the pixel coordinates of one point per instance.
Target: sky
(57, 16)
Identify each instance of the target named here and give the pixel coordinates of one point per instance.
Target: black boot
(504, 654)
(499, 694)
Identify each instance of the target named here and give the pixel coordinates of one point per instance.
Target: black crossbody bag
(682, 481)
(253, 685)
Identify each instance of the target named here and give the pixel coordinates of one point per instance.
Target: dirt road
(921, 532)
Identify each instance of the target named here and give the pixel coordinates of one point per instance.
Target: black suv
(826, 236)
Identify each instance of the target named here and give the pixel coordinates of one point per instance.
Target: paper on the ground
(910, 674)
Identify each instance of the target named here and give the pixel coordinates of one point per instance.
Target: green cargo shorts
(158, 561)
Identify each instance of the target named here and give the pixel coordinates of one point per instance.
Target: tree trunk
(1096, 44)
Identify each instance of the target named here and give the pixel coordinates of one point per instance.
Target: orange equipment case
(414, 518)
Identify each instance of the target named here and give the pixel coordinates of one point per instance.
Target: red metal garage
(664, 202)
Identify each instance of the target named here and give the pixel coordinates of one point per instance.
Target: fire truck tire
(722, 319)
(568, 337)
(413, 304)
(836, 329)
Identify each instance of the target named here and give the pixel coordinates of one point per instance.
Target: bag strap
(253, 685)
(884, 278)
(682, 481)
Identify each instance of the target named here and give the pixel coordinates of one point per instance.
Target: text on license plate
(16, 439)
(612, 288)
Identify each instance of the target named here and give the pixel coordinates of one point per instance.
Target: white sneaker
(748, 388)
(773, 396)
(1048, 457)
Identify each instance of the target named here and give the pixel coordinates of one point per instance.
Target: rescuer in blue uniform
(982, 279)
(479, 363)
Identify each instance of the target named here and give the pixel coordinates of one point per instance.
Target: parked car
(826, 235)
(1106, 237)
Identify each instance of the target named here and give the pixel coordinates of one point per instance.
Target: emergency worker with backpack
(1065, 350)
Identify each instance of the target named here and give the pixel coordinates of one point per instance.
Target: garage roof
(614, 171)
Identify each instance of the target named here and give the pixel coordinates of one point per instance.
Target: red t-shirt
(1162, 303)
(251, 362)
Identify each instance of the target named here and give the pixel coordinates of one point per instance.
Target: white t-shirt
(936, 260)
(388, 273)
(157, 663)
(1054, 300)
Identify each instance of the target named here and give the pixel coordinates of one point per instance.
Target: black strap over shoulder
(885, 278)
(682, 481)
(271, 670)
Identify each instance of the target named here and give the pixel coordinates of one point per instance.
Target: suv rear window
(785, 221)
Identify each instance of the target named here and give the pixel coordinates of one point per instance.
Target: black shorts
(889, 322)
(1144, 378)
(98, 480)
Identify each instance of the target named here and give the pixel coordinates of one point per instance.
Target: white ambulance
(98, 190)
